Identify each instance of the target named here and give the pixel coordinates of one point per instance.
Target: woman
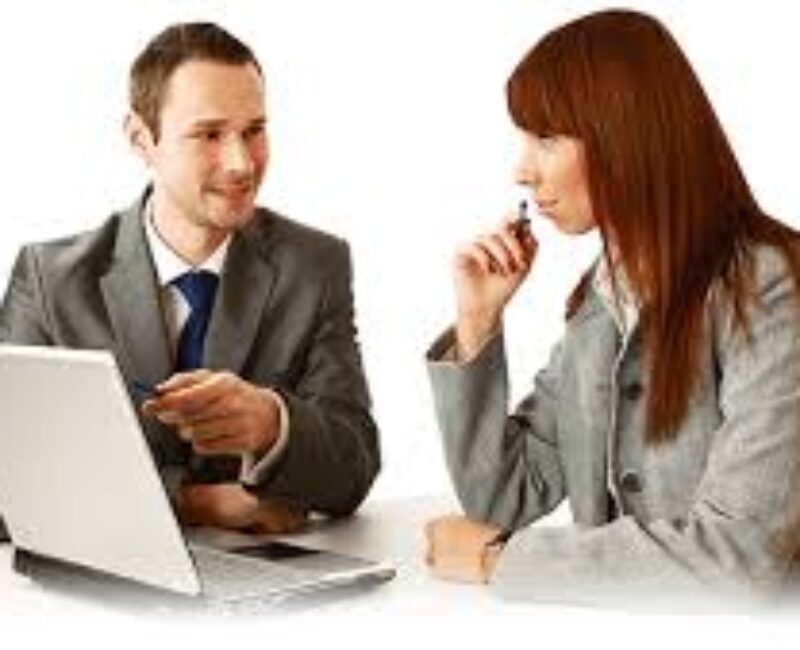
(669, 413)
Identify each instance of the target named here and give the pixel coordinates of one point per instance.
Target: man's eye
(208, 136)
(254, 131)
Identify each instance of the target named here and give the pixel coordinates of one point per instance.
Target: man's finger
(192, 400)
(183, 380)
(210, 443)
(186, 432)
(214, 427)
(216, 411)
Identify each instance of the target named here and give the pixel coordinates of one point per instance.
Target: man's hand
(457, 549)
(230, 506)
(222, 505)
(218, 412)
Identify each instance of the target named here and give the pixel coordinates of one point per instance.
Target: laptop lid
(77, 480)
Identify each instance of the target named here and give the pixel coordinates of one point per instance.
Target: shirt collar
(168, 264)
(617, 297)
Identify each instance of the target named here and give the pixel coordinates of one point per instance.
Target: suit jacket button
(633, 391)
(630, 481)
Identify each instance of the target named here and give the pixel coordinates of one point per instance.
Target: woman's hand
(458, 549)
(487, 273)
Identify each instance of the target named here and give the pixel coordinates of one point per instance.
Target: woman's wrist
(472, 333)
(491, 553)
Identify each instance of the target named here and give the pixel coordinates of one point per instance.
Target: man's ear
(140, 137)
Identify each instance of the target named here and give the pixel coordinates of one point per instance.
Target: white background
(388, 127)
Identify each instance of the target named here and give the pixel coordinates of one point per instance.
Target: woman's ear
(140, 137)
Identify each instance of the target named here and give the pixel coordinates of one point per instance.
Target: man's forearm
(331, 459)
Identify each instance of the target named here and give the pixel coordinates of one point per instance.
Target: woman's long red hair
(665, 186)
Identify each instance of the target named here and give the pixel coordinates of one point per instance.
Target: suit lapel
(131, 296)
(594, 335)
(245, 287)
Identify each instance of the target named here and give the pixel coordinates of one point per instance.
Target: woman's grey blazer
(705, 509)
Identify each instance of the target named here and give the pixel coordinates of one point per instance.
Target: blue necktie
(199, 289)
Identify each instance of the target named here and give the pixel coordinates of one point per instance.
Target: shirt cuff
(254, 472)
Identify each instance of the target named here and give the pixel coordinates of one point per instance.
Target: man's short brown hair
(177, 44)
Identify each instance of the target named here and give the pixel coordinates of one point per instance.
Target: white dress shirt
(175, 308)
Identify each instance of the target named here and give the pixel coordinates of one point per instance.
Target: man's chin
(231, 219)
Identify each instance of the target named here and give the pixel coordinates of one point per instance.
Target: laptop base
(98, 586)
(119, 593)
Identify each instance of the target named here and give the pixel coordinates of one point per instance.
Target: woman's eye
(549, 141)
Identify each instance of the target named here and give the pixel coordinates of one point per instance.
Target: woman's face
(554, 169)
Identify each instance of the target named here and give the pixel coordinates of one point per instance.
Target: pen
(144, 391)
(523, 222)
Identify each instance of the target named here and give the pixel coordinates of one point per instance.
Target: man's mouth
(232, 191)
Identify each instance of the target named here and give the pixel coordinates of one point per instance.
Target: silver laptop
(79, 489)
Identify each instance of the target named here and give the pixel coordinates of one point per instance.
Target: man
(238, 321)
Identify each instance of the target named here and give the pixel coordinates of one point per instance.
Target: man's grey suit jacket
(283, 318)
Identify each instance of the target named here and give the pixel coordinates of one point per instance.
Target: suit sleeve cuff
(444, 350)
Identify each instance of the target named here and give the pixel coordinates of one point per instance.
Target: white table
(413, 608)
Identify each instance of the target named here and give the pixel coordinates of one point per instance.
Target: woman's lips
(545, 206)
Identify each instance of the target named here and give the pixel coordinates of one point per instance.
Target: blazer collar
(595, 306)
(131, 295)
(244, 291)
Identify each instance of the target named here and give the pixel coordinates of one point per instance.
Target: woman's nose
(527, 172)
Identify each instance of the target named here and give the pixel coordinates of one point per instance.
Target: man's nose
(235, 156)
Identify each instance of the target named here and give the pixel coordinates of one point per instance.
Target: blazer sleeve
(23, 317)
(741, 529)
(330, 426)
(505, 468)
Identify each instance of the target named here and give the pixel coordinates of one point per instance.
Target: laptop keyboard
(228, 576)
